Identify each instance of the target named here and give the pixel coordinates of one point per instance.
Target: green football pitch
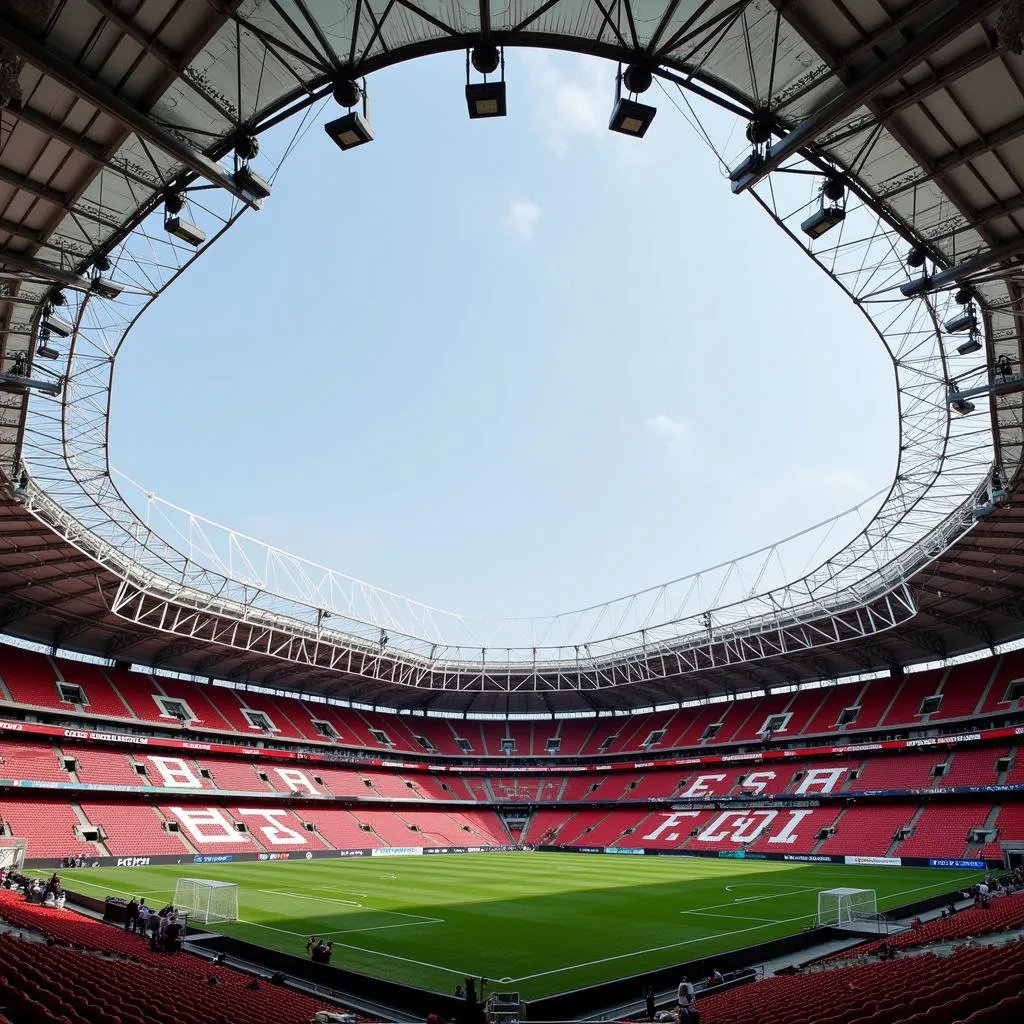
(537, 923)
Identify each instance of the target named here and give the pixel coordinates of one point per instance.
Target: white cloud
(522, 218)
(571, 99)
(674, 431)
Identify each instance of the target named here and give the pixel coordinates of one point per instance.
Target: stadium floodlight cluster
(206, 900)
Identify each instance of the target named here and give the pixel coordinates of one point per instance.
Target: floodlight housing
(962, 406)
(964, 321)
(823, 220)
(55, 325)
(631, 118)
(919, 286)
(185, 231)
(44, 351)
(916, 258)
(105, 288)
(486, 99)
(349, 131)
(749, 166)
(972, 344)
(17, 383)
(251, 183)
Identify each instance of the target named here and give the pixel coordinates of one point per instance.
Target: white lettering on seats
(297, 781)
(276, 832)
(754, 781)
(746, 827)
(697, 788)
(196, 819)
(674, 820)
(175, 773)
(788, 834)
(823, 779)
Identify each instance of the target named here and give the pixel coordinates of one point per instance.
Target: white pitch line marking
(363, 949)
(350, 903)
(331, 888)
(731, 917)
(738, 931)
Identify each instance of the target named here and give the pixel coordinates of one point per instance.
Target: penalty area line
(349, 903)
(659, 949)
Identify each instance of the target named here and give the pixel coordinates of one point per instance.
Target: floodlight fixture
(252, 184)
(996, 490)
(17, 383)
(44, 351)
(55, 325)
(919, 286)
(630, 117)
(353, 129)
(972, 344)
(965, 320)
(20, 491)
(916, 258)
(828, 215)
(957, 403)
(247, 147)
(104, 287)
(185, 231)
(486, 99)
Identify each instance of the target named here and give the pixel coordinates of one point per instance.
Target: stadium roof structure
(906, 115)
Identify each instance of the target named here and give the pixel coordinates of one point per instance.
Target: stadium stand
(44, 983)
(924, 989)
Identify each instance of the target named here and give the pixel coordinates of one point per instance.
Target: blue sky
(507, 367)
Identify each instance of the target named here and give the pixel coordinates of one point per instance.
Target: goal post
(12, 853)
(838, 907)
(206, 901)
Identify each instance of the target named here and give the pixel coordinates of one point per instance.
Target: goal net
(12, 853)
(846, 906)
(206, 901)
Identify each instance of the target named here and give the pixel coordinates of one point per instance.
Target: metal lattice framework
(251, 66)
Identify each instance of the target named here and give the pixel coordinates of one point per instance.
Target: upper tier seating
(30, 679)
(31, 761)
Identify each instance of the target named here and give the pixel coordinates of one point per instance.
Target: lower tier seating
(50, 984)
(1003, 913)
(981, 985)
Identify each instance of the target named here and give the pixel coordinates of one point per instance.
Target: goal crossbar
(206, 900)
(838, 907)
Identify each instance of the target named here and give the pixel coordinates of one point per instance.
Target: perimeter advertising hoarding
(875, 862)
(623, 849)
(397, 851)
(939, 862)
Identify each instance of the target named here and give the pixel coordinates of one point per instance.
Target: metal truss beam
(941, 31)
(84, 85)
(281, 641)
(74, 141)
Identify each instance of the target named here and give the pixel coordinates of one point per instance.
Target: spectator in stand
(685, 998)
(649, 1006)
(472, 1012)
(916, 924)
(131, 915)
